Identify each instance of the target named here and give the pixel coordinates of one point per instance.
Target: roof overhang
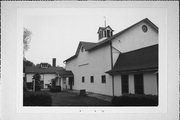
(144, 70)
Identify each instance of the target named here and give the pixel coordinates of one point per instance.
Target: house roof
(37, 69)
(137, 60)
(50, 70)
(89, 46)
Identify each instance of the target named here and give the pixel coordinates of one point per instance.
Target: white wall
(98, 62)
(131, 84)
(117, 85)
(150, 84)
(135, 38)
(29, 77)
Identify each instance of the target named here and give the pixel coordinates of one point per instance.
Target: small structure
(50, 76)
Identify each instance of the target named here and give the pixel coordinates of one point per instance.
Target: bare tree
(26, 40)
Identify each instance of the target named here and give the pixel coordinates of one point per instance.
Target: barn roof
(138, 60)
(89, 46)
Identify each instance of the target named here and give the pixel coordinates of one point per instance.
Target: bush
(55, 89)
(135, 100)
(37, 99)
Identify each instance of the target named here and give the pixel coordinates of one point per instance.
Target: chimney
(54, 62)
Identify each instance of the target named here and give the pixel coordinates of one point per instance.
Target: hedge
(55, 89)
(135, 100)
(37, 99)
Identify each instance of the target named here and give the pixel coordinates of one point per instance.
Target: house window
(103, 79)
(125, 84)
(92, 79)
(138, 83)
(83, 79)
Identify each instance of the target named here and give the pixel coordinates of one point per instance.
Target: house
(50, 76)
(126, 62)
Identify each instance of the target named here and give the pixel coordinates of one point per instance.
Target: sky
(56, 33)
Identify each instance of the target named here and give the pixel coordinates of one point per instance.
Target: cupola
(105, 32)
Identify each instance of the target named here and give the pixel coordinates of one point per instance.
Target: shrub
(37, 99)
(55, 89)
(135, 100)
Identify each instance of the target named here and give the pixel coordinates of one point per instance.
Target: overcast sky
(57, 32)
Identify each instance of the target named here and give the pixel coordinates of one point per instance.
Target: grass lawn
(72, 99)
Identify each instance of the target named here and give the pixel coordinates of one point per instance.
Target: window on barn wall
(103, 79)
(138, 83)
(125, 84)
(92, 79)
(83, 79)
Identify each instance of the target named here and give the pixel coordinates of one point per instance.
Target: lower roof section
(144, 59)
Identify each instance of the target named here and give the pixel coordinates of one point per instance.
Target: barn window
(144, 28)
(103, 79)
(83, 79)
(92, 79)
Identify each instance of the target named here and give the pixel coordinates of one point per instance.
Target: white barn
(126, 62)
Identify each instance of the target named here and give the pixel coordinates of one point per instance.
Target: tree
(37, 78)
(26, 40)
(27, 63)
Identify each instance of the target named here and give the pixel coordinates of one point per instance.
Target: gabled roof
(141, 59)
(108, 40)
(93, 46)
(36, 69)
(85, 45)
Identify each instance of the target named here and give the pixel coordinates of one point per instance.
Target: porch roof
(65, 73)
(141, 60)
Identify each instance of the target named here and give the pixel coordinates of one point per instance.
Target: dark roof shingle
(37, 69)
(141, 59)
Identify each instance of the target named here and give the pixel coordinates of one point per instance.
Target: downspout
(112, 68)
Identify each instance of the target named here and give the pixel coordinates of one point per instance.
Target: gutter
(112, 67)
